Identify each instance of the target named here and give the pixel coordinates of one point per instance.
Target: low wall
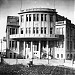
(35, 61)
(68, 63)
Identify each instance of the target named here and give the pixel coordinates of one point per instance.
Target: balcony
(38, 36)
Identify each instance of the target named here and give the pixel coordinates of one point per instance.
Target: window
(41, 17)
(21, 30)
(45, 17)
(13, 30)
(29, 17)
(14, 55)
(67, 55)
(10, 44)
(26, 30)
(61, 55)
(33, 29)
(51, 30)
(10, 55)
(10, 31)
(57, 55)
(71, 56)
(37, 30)
(45, 30)
(22, 18)
(37, 17)
(41, 30)
(26, 17)
(16, 31)
(29, 30)
(34, 17)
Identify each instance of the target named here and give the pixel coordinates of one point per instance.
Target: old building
(40, 33)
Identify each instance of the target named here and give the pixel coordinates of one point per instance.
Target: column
(47, 48)
(31, 49)
(47, 52)
(24, 52)
(39, 24)
(18, 47)
(39, 49)
(32, 24)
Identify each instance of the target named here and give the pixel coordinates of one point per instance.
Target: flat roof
(48, 10)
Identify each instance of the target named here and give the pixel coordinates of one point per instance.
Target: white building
(39, 33)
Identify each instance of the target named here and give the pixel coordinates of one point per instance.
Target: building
(40, 33)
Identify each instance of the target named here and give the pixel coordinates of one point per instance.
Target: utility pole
(1, 45)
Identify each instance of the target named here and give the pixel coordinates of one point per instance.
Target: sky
(12, 8)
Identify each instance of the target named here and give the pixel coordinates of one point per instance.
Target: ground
(20, 69)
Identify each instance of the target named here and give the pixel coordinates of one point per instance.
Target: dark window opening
(37, 17)
(67, 55)
(57, 55)
(21, 30)
(10, 31)
(33, 29)
(34, 17)
(37, 30)
(10, 55)
(41, 30)
(45, 17)
(61, 55)
(41, 17)
(51, 30)
(29, 17)
(45, 30)
(26, 17)
(22, 18)
(12, 44)
(16, 31)
(13, 30)
(14, 55)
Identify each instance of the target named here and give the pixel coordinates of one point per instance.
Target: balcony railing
(31, 35)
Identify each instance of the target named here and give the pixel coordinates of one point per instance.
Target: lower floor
(41, 49)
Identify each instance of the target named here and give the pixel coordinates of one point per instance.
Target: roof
(48, 10)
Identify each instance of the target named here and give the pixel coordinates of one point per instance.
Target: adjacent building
(40, 33)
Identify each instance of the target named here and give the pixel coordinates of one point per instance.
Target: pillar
(39, 49)
(24, 52)
(18, 47)
(31, 49)
(47, 48)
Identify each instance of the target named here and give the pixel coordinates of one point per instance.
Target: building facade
(39, 33)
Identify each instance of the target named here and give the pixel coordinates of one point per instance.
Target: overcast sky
(12, 7)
